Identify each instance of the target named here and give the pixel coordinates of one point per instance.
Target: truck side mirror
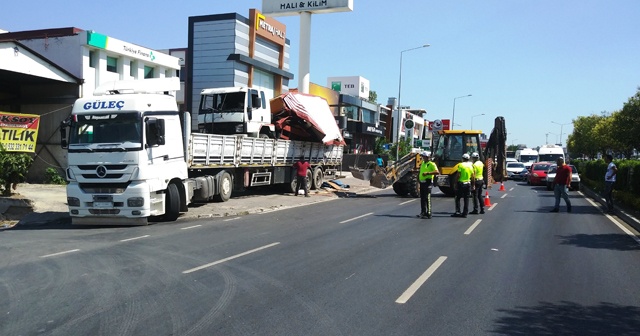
(64, 142)
(155, 132)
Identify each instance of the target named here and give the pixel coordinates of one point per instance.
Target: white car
(516, 171)
(575, 178)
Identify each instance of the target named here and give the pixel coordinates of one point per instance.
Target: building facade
(229, 50)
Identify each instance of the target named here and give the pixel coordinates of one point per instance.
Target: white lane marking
(230, 219)
(493, 206)
(615, 221)
(503, 196)
(403, 203)
(229, 258)
(354, 218)
(134, 238)
(59, 253)
(190, 227)
(473, 226)
(511, 189)
(420, 281)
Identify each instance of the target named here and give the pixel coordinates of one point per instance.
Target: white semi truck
(132, 156)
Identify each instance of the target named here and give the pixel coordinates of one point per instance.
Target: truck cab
(235, 110)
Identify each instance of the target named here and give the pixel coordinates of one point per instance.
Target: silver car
(575, 177)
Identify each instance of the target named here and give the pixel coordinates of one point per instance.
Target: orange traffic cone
(502, 186)
(487, 201)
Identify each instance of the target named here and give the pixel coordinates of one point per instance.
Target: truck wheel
(225, 187)
(172, 203)
(400, 189)
(413, 185)
(318, 175)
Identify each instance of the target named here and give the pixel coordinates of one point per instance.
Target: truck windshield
(223, 102)
(450, 147)
(528, 158)
(96, 132)
(550, 157)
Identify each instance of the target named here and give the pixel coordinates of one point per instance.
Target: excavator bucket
(362, 174)
(379, 181)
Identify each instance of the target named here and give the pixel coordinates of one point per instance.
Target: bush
(51, 176)
(13, 169)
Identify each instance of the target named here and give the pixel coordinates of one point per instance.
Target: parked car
(538, 173)
(575, 178)
(516, 171)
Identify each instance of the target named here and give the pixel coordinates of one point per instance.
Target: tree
(373, 97)
(13, 169)
(626, 125)
(584, 140)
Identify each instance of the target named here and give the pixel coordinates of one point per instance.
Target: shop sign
(371, 129)
(131, 50)
(270, 29)
(288, 7)
(19, 132)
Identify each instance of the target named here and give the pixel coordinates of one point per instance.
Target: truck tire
(316, 181)
(225, 187)
(172, 203)
(413, 185)
(294, 181)
(400, 189)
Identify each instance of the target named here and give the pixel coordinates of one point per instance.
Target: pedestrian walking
(301, 167)
(609, 181)
(465, 184)
(379, 161)
(561, 182)
(428, 170)
(478, 170)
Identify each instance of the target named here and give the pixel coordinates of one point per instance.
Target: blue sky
(532, 62)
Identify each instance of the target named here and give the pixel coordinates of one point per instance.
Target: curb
(625, 216)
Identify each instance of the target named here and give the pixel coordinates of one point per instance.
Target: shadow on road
(611, 241)
(569, 318)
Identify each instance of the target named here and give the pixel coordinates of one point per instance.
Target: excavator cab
(447, 151)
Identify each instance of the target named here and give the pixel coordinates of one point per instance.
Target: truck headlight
(73, 201)
(135, 202)
(239, 128)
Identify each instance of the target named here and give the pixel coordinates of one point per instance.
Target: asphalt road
(356, 266)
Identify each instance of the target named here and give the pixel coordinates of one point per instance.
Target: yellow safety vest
(427, 167)
(478, 168)
(465, 170)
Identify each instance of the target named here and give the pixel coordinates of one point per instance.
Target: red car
(538, 173)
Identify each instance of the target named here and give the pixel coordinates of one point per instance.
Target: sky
(539, 64)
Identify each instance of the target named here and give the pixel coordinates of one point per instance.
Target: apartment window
(92, 58)
(112, 64)
(133, 69)
(148, 72)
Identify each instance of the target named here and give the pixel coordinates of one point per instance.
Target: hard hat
(425, 153)
(475, 155)
(465, 156)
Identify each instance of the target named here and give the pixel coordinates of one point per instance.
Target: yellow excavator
(446, 151)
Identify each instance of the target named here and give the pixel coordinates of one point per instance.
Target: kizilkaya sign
(284, 7)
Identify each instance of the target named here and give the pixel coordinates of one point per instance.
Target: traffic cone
(487, 201)
(502, 186)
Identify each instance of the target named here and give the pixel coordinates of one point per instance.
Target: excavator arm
(495, 153)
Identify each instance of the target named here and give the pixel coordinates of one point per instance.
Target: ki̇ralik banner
(19, 132)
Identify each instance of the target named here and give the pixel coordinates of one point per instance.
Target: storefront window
(112, 64)
(148, 72)
(351, 112)
(368, 116)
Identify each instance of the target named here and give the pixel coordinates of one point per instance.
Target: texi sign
(284, 7)
(19, 132)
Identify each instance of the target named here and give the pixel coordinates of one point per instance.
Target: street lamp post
(453, 116)
(399, 91)
(477, 115)
(561, 125)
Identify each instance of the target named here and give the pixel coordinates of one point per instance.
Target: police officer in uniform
(478, 168)
(465, 183)
(428, 170)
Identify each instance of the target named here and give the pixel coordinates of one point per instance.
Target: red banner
(19, 132)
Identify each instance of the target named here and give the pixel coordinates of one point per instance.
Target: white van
(550, 153)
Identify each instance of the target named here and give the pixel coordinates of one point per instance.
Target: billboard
(19, 132)
(286, 7)
(356, 86)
